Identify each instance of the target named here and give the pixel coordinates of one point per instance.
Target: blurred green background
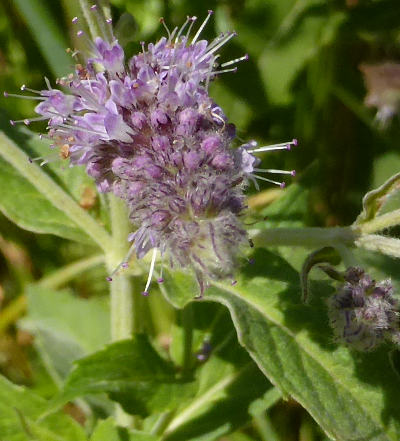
(302, 81)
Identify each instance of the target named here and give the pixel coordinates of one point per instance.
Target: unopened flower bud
(363, 313)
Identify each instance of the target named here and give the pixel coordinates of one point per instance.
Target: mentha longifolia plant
(148, 131)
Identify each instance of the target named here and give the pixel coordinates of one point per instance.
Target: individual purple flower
(364, 313)
(147, 130)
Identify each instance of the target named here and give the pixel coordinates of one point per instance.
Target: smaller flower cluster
(363, 313)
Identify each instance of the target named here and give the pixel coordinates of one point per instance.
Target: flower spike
(147, 130)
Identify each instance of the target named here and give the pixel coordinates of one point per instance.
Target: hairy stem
(381, 244)
(122, 322)
(53, 192)
(120, 286)
(379, 223)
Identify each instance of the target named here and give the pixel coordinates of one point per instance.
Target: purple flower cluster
(147, 130)
(363, 313)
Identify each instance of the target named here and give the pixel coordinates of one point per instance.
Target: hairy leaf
(351, 395)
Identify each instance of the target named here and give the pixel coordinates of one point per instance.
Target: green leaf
(29, 209)
(20, 412)
(47, 35)
(133, 374)
(351, 395)
(58, 319)
(229, 382)
(107, 430)
(39, 203)
(375, 200)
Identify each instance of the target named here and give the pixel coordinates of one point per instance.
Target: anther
(75, 20)
(109, 279)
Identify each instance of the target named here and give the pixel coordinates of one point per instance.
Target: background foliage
(302, 80)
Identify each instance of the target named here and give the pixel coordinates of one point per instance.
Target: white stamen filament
(81, 129)
(217, 72)
(279, 184)
(25, 97)
(105, 30)
(172, 34)
(273, 170)
(236, 60)
(182, 29)
(125, 261)
(47, 81)
(270, 148)
(210, 13)
(192, 20)
(23, 88)
(152, 264)
(162, 21)
(215, 48)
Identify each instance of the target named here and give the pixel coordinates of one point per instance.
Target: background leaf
(65, 327)
(107, 430)
(20, 412)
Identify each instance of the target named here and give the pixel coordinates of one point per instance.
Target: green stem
(311, 237)
(380, 223)
(381, 244)
(187, 323)
(53, 192)
(265, 429)
(122, 323)
(120, 287)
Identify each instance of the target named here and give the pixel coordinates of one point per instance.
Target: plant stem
(379, 223)
(381, 244)
(187, 323)
(311, 237)
(53, 192)
(120, 287)
(122, 322)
